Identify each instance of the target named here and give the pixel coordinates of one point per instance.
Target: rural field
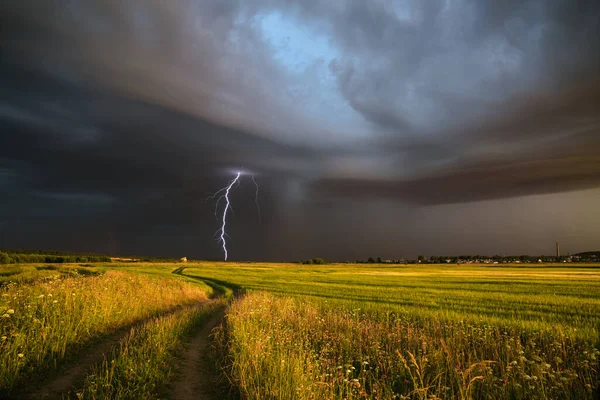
(289, 331)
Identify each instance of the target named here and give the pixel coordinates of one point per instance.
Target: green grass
(558, 298)
(22, 274)
(383, 332)
(289, 348)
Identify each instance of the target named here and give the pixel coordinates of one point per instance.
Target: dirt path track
(195, 378)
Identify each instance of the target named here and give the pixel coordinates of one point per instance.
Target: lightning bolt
(227, 189)
(223, 194)
(212, 197)
(256, 200)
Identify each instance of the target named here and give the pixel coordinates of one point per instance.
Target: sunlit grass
(383, 332)
(44, 320)
(20, 274)
(319, 332)
(145, 360)
(559, 298)
(288, 348)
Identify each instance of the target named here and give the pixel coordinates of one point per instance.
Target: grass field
(314, 332)
(384, 332)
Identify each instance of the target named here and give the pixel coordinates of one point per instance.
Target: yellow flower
(20, 355)
(11, 311)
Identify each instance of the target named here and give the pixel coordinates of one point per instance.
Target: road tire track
(195, 380)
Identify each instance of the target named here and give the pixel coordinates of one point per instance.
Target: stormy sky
(373, 128)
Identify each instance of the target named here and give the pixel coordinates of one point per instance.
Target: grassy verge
(289, 348)
(145, 361)
(42, 322)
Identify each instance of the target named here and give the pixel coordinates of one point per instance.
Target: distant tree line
(483, 259)
(15, 258)
(379, 260)
(312, 261)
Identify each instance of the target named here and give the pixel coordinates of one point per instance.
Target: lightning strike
(226, 196)
(256, 200)
(223, 194)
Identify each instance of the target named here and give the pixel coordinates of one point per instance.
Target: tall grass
(40, 323)
(145, 361)
(288, 348)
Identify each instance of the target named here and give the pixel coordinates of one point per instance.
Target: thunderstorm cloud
(374, 127)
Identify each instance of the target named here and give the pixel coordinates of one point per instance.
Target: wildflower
(41, 296)
(11, 311)
(20, 355)
(5, 316)
(3, 338)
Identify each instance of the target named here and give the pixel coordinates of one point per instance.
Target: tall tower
(557, 250)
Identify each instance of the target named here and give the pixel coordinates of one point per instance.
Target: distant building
(183, 259)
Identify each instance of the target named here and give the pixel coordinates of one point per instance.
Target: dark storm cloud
(540, 145)
(121, 110)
